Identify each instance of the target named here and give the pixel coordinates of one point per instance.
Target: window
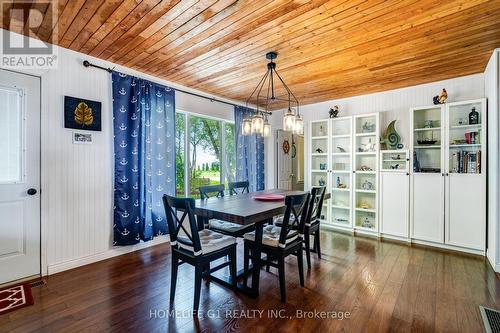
(180, 151)
(210, 158)
(11, 134)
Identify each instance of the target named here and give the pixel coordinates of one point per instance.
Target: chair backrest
(239, 187)
(211, 191)
(315, 204)
(296, 207)
(186, 205)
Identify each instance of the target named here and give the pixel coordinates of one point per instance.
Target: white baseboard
(112, 252)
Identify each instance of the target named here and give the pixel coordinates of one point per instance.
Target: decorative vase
(473, 117)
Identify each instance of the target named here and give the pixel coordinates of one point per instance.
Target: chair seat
(278, 221)
(210, 241)
(225, 226)
(271, 236)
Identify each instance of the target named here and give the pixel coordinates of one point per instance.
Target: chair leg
(300, 263)
(232, 267)
(246, 260)
(197, 287)
(307, 242)
(281, 275)
(268, 263)
(173, 277)
(317, 241)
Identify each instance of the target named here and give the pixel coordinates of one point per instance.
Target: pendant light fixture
(266, 95)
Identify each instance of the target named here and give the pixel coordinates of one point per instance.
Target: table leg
(256, 254)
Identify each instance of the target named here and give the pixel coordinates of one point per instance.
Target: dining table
(244, 209)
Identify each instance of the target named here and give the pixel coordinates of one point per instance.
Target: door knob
(31, 191)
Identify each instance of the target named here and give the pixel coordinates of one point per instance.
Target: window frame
(187, 146)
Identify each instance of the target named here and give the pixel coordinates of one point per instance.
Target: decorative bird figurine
(334, 112)
(441, 99)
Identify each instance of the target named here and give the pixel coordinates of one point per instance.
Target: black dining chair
(210, 191)
(236, 188)
(224, 227)
(312, 224)
(195, 247)
(280, 242)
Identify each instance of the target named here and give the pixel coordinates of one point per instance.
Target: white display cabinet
(344, 157)
(366, 144)
(448, 176)
(394, 194)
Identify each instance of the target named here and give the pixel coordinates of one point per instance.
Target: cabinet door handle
(407, 173)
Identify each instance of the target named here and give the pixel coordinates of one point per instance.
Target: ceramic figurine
(322, 166)
(395, 166)
(319, 150)
(321, 132)
(390, 139)
(366, 168)
(368, 127)
(367, 186)
(334, 112)
(342, 150)
(367, 223)
(416, 163)
(338, 181)
(364, 205)
(321, 182)
(441, 99)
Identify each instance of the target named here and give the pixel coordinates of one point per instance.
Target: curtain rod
(87, 63)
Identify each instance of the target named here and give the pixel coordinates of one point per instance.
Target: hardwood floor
(384, 286)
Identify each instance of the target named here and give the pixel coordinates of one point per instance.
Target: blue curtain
(144, 142)
(249, 152)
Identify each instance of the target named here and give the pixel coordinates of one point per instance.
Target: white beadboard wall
(392, 104)
(492, 86)
(76, 180)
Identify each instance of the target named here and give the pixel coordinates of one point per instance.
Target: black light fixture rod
(87, 63)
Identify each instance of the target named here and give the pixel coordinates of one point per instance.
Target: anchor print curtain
(144, 141)
(249, 152)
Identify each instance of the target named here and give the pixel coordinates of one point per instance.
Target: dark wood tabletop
(243, 209)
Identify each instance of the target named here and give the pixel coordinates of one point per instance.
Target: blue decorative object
(144, 142)
(249, 152)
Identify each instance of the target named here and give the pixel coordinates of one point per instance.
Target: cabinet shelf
(341, 171)
(366, 210)
(466, 145)
(340, 136)
(367, 191)
(428, 147)
(319, 137)
(319, 154)
(465, 126)
(366, 172)
(319, 171)
(341, 189)
(366, 153)
(427, 129)
(366, 134)
(341, 207)
(341, 154)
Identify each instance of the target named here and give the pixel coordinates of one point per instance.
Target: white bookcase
(394, 194)
(344, 157)
(448, 175)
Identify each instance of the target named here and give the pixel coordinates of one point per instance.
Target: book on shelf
(466, 162)
(472, 138)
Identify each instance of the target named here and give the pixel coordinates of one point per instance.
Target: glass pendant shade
(257, 124)
(299, 125)
(246, 126)
(289, 121)
(267, 129)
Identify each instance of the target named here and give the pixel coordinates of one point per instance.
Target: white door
(284, 157)
(394, 204)
(465, 218)
(427, 209)
(19, 176)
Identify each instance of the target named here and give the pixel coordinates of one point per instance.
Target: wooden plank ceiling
(327, 49)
